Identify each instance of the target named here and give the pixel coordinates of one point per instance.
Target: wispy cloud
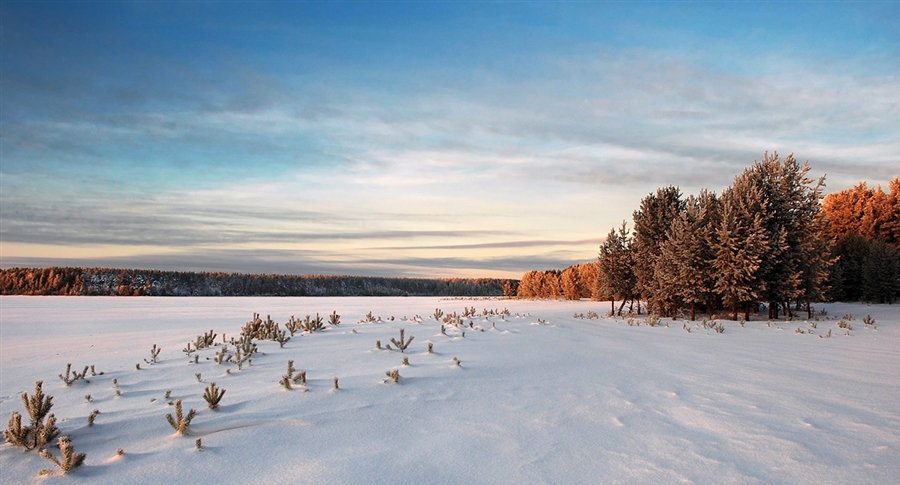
(293, 148)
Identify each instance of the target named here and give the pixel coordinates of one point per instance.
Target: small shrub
(154, 355)
(92, 416)
(69, 459)
(206, 340)
(71, 376)
(868, 320)
(39, 433)
(180, 422)
(334, 318)
(393, 375)
(402, 344)
(212, 394)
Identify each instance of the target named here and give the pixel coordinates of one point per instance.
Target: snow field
(570, 400)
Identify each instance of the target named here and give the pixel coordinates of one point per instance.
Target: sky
(420, 139)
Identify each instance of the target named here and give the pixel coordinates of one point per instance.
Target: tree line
(136, 282)
(767, 240)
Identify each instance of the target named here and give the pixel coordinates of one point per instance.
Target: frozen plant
(334, 318)
(179, 421)
(393, 375)
(293, 325)
(88, 398)
(212, 394)
(300, 377)
(206, 340)
(405, 361)
(199, 444)
(71, 376)
(288, 378)
(69, 459)
(868, 320)
(311, 325)
(199, 377)
(38, 433)
(281, 337)
(402, 344)
(92, 416)
(154, 355)
(430, 348)
(438, 313)
(221, 355)
(336, 383)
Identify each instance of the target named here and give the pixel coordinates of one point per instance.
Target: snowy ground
(542, 397)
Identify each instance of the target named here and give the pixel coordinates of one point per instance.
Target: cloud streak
(444, 150)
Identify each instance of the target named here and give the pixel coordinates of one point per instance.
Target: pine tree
(570, 282)
(617, 278)
(686, 265)
(740, 247)
(881, 273)
(655, 216)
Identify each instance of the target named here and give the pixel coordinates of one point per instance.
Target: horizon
(412, 140)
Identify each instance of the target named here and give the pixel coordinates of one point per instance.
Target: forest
(768, 241)
(136, 282)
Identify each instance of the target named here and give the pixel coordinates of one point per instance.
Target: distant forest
(131, 282)
(769, 239)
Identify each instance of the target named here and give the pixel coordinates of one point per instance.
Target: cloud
(312, 262)
(531, 152)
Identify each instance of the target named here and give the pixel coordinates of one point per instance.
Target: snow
(544, 397)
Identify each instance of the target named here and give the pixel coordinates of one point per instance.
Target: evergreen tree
(655, 216)
(740, 247)
(791, 204)
(881, 273)
(570, 282)
(686, 266)
(616, 265)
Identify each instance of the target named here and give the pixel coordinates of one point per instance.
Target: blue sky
(412, 138)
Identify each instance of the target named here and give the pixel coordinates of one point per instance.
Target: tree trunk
(693, 311)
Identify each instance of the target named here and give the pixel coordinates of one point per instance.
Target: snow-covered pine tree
(686, 266)
(788, 196)
(651, 221)
(616, 267)
(740, 247)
